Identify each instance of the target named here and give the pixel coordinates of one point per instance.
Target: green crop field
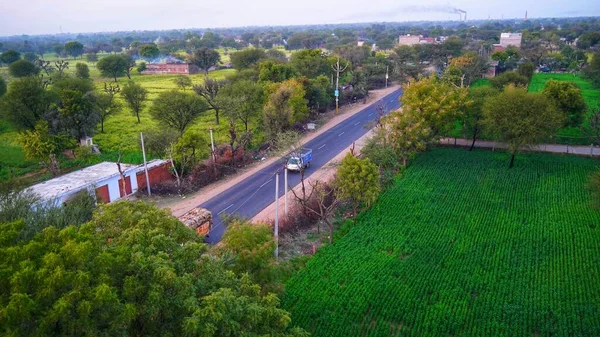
(463, 246)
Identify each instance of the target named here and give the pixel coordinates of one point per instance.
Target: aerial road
(256, 192)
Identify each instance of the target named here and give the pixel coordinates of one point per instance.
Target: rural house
(103, 181)
(170, 68)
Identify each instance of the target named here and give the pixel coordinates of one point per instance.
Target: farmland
(463, 246)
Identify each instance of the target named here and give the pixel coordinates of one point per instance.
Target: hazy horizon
(85, 16)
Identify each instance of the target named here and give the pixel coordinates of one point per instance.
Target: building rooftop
(77, 180)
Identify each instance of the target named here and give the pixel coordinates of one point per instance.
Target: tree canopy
(569, 100)
(205, 58)
(10, 56)
(357, 180)
(23, 68)
(74, 49)
(246, 58)
(177, 109)
(112, 66)
(149, 51)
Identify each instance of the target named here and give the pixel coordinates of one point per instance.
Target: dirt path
(553, 148)
(180, 205)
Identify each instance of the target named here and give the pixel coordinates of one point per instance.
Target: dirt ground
(181, 204)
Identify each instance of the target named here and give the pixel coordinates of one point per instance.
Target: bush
(91, 57)
(23, 68)
(82, 70)
(509, 77)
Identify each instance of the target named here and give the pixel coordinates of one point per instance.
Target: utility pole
(212, 147)
(386, 75)
(337, 69)
(276, 234)
(285, 182)
(145, 165)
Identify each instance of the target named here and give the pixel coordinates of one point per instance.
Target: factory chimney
(525, 15)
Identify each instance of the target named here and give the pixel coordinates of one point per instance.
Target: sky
(80, 16)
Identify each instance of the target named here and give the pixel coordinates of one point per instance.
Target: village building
(170, 68)
(103, 181)
(409, 40)
(511, 39)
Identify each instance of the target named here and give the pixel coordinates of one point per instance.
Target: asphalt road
(257, 192)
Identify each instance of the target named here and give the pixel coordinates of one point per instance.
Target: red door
(127, 186)
(102, 195)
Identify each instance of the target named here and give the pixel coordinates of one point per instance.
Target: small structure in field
(199, 219)
(170, 68)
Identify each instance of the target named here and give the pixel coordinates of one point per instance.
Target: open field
(463, 246)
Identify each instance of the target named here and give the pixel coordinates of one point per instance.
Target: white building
(101, 180)
(511, 39)
(409, 40)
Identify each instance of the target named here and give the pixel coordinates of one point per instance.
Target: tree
(311, 63)
(434, 103)
(205, 58)
(23, 68)
(141, 67)
(471, 65)
(10, 56)
(186, 152)
(82, 70)
(321, 202)
(568, 99)
(113, 283)
(31, 57)
(285, 105)
(91, 57)
(2, 86)
(519, 118)
(182, 81)
(38, 144)
(526, 69)
(250, 95)
(112, 66)
(46, 66)
(74, 49)
(405, 65)
(135, 96)
(60, 66)
(149, 51)
(77, 113)
(246, 58)
(592, 70)
(177, 109)
(105, 103)
(473, 112)
(26, 102)
(209, 89)
(404, 133)
(274, 71)
(509, 77)
(357, 180)
(129, 65)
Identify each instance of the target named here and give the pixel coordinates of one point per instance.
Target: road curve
(256, 192)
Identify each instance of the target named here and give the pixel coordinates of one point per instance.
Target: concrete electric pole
(276, 229)
(338, 70)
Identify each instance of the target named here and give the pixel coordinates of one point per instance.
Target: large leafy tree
(275, 71)
(112, 66)
(285, 105)
(246, 58)
(39, 145)
(26, 102)
(405, 65)
(10, 56)
(592, 70)
(209, 89)
(135, 96)
(74, 48)
(177, 109)
(473, 112)
(405, 134)
(133, 270)
(205, 58)
(250, 96)
(149, 51)
(23, 68)
(519, 118)
(435, 103)
(357, 180)
(569, 100)
(311, 63)
(82, 70)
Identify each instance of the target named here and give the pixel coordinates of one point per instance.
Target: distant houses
(411, 40)
(170, 68)
(508, 39)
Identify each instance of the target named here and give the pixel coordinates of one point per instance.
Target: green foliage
(285, 106)
(311, 63)
(518, 118)
(509, 77)
(177, 109)
(133, 270)
(31, 57)
(135, 96)
(141, 67)
(112, 66)
(205, 58)
(526, 69)
(38, 144)
(247, 58)
(26, 102)
(82, 70)
(473, 112)
(91, 57)
(592, 70)
(10, 56)
(2, 86)
(274, 71)
(454, 245)
(567, 97)
(74, 49)
(183, 81)
(23, 68)
(78, 116)
(357, 180)
(384, 158)
(149, 51)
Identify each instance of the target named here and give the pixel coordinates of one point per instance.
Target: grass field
(463, 246)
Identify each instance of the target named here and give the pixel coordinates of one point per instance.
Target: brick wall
(170, 68)
(156, 175)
